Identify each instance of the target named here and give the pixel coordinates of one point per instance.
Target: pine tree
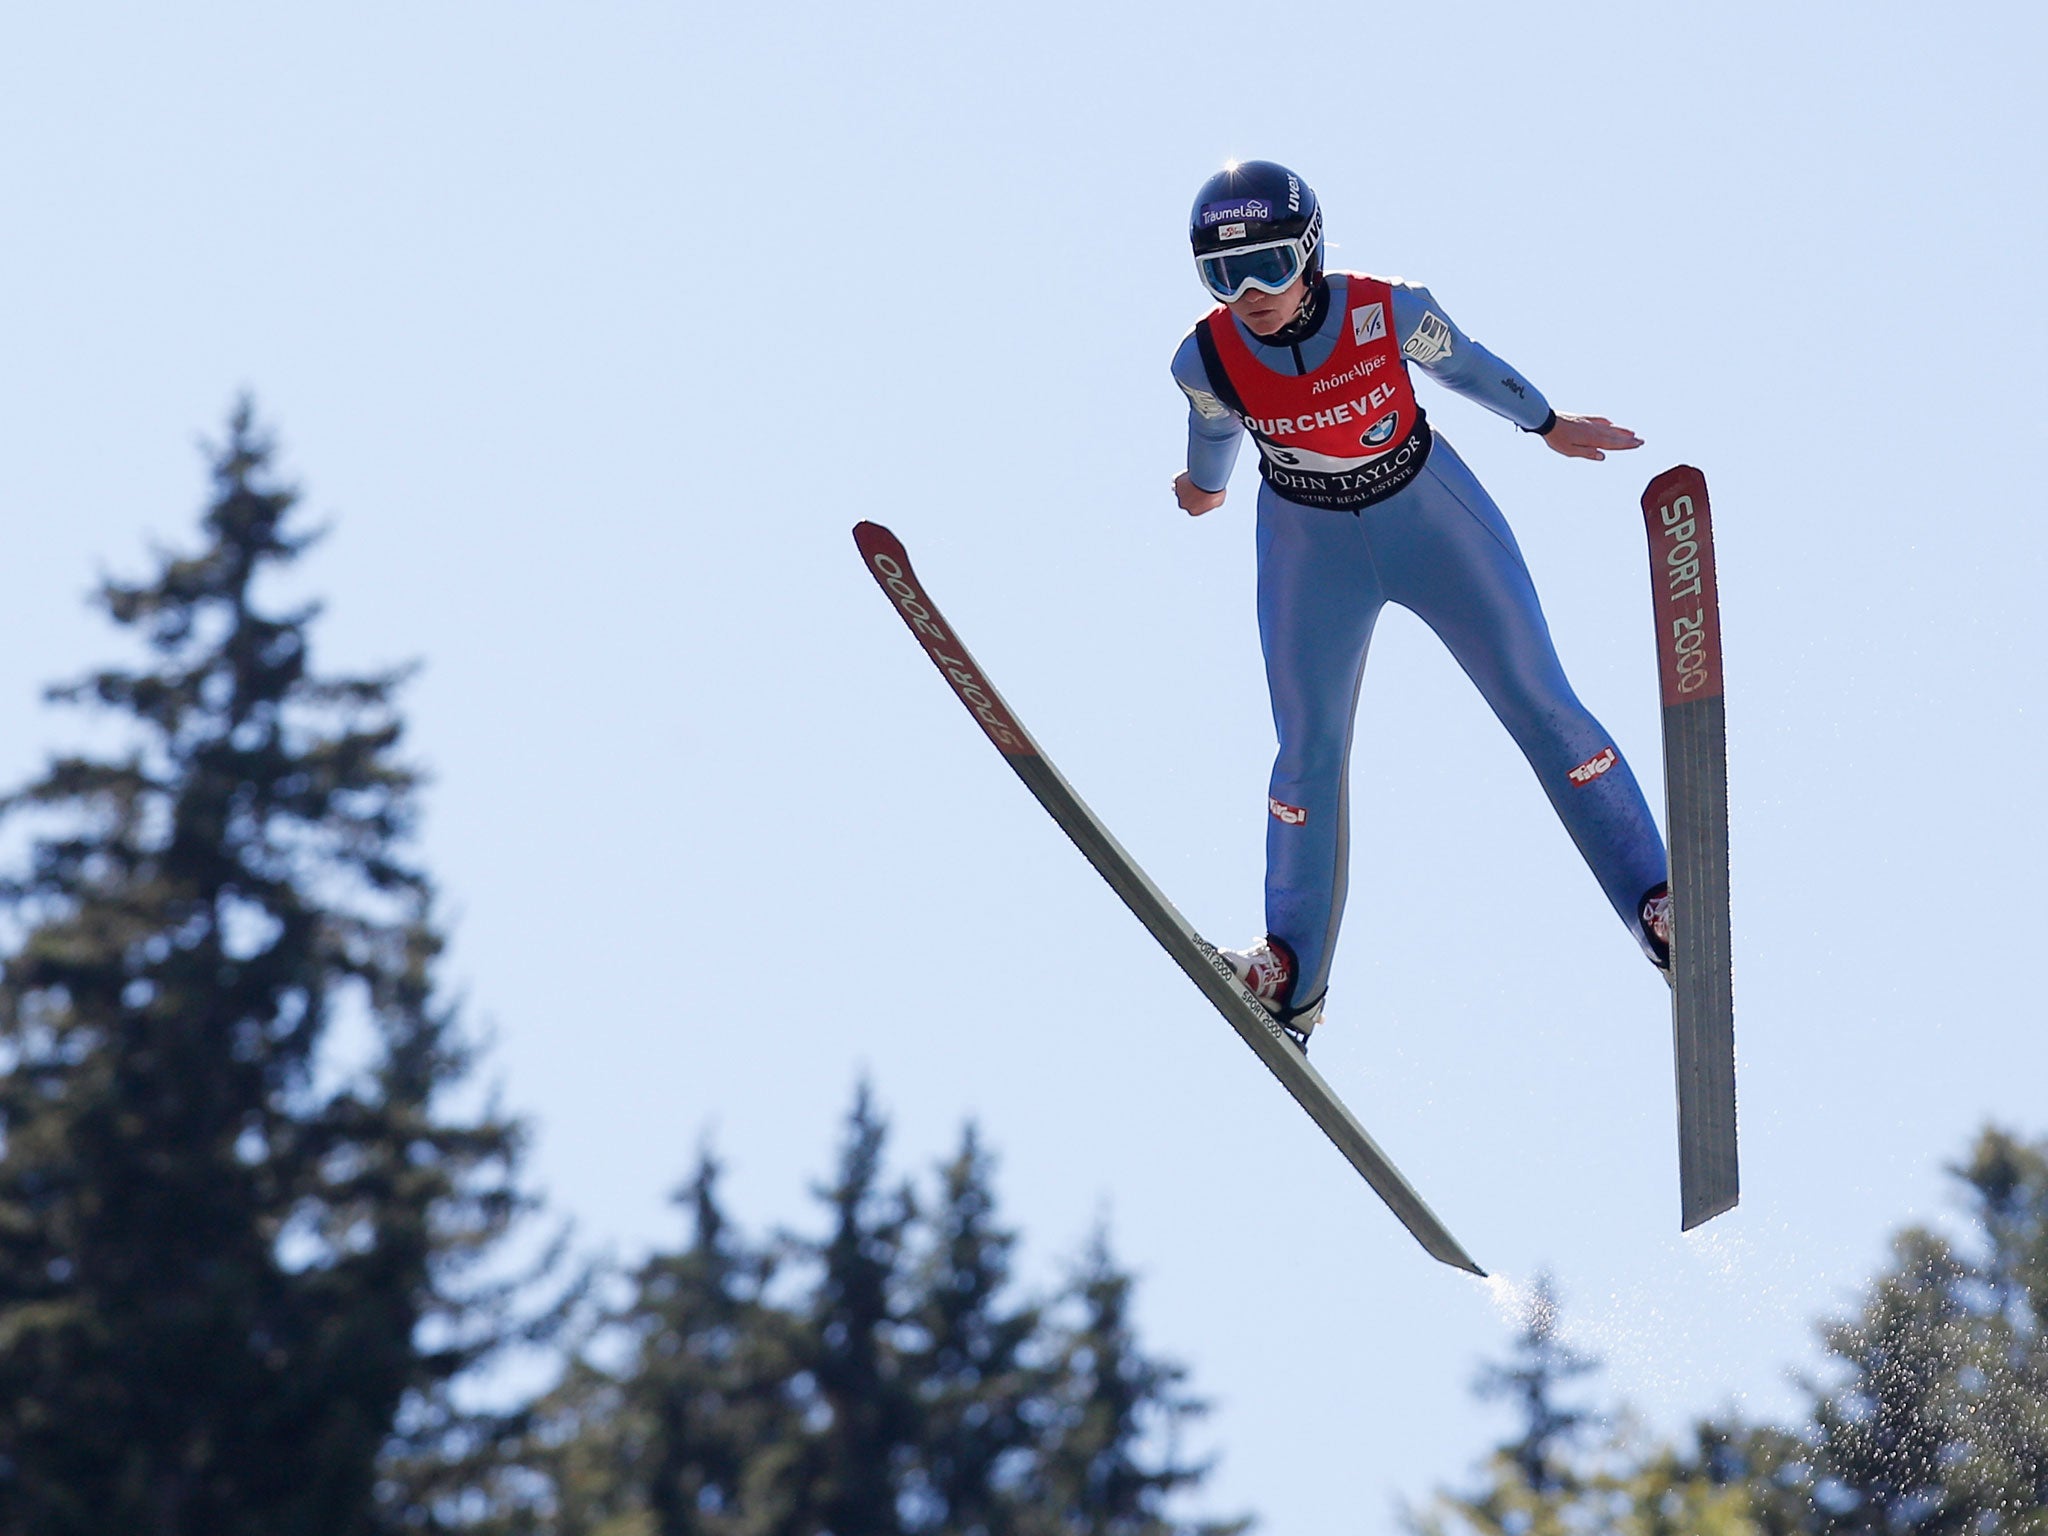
(973, 1380)
(905, 1391)
(236, 1285)
(1933, 1415)
(682, 1438)
(854, 1462)
(1541, 1480)
(1765, 1469)
(1931, 1419)
(723, 1394)
(1569, 1470)
(1882, 1434)
(1937, 1420)
(1541, 1367)
(1112, 1403)
(2006, 1181)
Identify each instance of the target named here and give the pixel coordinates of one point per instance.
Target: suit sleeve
(1432, 341)
(1213, 432)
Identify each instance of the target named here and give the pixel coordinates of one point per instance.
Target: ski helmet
(1255, 224)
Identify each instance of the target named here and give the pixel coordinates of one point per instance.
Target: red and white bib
(1344, 436)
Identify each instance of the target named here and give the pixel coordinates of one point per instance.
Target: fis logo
(1287, 815)
(1368, 323)
(1593, 767)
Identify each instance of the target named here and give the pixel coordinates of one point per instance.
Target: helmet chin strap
(1307, 315)
(1308, 299)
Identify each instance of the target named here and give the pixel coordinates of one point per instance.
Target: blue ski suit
(1439, 547)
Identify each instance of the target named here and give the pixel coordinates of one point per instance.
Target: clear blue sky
(593, 330)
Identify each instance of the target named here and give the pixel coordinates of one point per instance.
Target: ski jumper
(1364, 504)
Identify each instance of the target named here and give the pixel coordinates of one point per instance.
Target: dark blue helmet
(1255, 224)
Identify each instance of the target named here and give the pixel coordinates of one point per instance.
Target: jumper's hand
(1583, 437)
(1192, 498)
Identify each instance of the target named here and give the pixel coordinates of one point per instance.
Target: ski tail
(1679, 522)
(890, 566)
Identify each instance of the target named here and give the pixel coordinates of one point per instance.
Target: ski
(890, 566)
(1681, 533)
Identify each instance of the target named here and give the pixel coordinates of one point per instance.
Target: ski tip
(1679, 479)
(873, 539)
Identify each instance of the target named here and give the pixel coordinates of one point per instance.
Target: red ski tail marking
(1681, 531)
(890, 567)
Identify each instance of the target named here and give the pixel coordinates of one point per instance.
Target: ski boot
(1655, 915)
(1267, 969)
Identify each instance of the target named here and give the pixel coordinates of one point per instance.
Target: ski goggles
(1270, 268)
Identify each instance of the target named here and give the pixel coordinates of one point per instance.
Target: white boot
(1267, 970)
